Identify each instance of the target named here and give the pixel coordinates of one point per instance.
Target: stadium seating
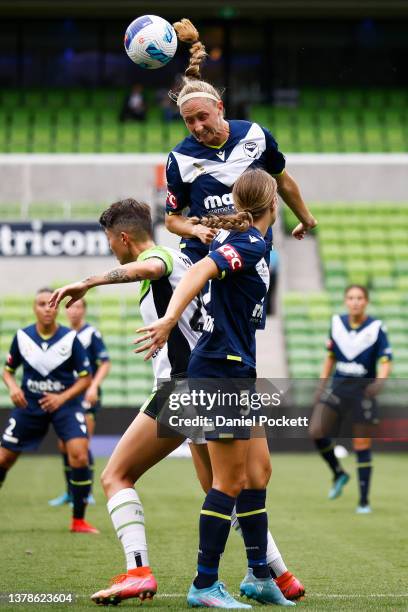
(86, 121)
(359, 243)
(130, 380)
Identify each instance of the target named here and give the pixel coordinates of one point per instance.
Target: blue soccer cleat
(264, 590)
(215, 596)
(61, 500)
(363, 509)
(339, 483)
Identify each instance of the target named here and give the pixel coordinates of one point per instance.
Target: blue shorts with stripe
(361, 409)
(227, 377)
(27, 427)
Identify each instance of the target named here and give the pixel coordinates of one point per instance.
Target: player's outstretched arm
(190, 285)
(184, 226)
(151, 269)
(16, 393)
(290, 193)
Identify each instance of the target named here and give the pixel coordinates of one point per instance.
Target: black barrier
(278, 408)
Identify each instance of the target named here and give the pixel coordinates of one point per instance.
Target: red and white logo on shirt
(232, 256)
(171, 199)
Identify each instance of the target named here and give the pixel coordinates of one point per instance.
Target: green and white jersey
(155, 295)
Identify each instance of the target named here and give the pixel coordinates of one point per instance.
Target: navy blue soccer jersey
(235, 301)
(357, 350)
(50, 365)
(92, 341)
(201, 178)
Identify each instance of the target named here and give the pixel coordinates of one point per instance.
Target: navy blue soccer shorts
(363, 409)
(91, 410)
(241, 380)
(27, 428)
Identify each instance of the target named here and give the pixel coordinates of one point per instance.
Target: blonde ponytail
(188, 33)
(239, 222)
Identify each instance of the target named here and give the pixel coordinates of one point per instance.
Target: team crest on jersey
(44, 346)
(200, 169)
(64, 349)
(251, 149)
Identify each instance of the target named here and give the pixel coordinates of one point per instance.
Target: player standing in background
(226, 349)
(56, 372)
(92, 341)
(357, 342)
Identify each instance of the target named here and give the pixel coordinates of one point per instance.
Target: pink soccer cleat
(290, 586)
(138, 582)
(82, 526)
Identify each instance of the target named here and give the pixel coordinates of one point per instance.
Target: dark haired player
(56, 372)
(356, 344)
(92, 341)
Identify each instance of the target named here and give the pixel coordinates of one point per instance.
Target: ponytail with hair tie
(238, 222)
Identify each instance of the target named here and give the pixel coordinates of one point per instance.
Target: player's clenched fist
(50, 402)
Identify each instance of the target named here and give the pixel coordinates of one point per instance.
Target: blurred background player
(92, 341)
(356, 344)
(56, 372)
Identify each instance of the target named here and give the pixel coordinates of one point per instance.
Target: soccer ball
(150, 42)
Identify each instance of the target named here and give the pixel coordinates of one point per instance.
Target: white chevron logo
(42, 361)
(353, 344)
(228, 172)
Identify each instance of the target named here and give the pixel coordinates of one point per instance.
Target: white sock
(273, 556)
(126, 512)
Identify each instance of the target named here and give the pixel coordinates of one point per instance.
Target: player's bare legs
(323, 424)
(138, 450)
(7, 460)
(258, 473)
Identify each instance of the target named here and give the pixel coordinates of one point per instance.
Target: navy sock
(3, 473)
(215, 523)
(67, 472)
(80, 487)
(253, 520)
(91, 467)
(364, 469)
(325, 447)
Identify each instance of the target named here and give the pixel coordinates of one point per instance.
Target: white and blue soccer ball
(150, 42)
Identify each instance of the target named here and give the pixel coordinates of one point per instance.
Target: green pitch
(346, 562)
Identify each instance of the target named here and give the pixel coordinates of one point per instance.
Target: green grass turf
(347, 562)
